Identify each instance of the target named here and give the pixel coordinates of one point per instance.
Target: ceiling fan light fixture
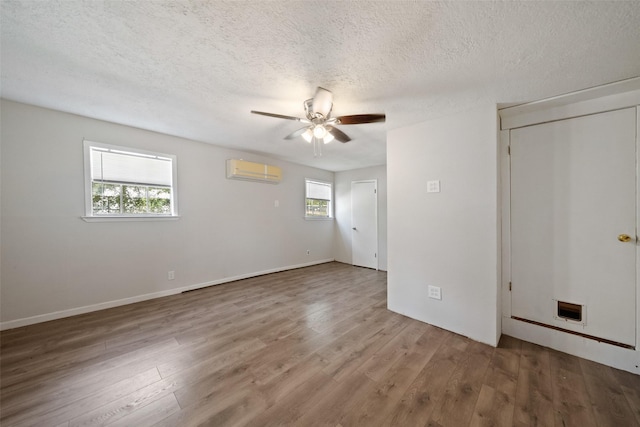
(308, 135)
(319, 131)
(328, 138)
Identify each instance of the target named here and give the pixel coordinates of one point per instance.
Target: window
(126, 182)
(318, 199)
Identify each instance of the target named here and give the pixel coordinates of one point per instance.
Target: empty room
(331, 213)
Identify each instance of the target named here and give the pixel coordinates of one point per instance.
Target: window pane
(318, 208)
(134, 199)
(318, 197)
(127, 181)
(106, 198)
(159, 200)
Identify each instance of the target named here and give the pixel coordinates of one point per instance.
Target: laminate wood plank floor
(305, 347)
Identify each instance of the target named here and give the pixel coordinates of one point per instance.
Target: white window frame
(88, 207)
(331, 204)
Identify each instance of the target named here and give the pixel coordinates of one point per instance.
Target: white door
(573, 193)
(364, 223)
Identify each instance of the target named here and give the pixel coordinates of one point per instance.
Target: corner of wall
(450, 238)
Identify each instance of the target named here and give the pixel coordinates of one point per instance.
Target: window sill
(129, 218)
(311, 218)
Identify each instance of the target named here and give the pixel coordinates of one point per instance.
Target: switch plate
(276, 204)
(433, 186)
(435, 292)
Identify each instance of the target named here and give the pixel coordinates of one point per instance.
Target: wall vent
(569, 311)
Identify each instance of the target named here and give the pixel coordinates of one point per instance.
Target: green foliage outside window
(123, 199)
(317, 208)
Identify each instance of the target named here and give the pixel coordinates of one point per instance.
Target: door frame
(375, 183)
(611, 97)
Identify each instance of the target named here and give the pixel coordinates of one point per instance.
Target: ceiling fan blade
(278, 116)
(323, 102)
(357, 119)
(297, 133)
(338, 134)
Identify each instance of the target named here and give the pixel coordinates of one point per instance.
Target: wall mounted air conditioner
(250, 171)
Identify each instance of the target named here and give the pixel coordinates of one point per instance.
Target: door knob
(353, 228)
(624, 238)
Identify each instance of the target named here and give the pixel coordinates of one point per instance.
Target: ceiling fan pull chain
(317, 147)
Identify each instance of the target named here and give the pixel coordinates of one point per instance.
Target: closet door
(573, 224)
(364, 223)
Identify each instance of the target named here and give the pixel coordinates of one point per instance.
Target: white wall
(447, 239)
(54, 264)
(342, 192)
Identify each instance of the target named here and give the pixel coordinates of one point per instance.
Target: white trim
(504, 294)
(607, 354)
(86, 148)
(87, 144)
(637, 368)
(456, 329)
(600, 99)
(113, 218)
(116, 303)
(332, 201)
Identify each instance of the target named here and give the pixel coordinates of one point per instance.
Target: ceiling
(196, 68)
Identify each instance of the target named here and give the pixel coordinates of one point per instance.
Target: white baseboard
(110, 304)
(607, 354)
(434, 322)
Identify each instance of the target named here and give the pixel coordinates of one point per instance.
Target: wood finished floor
(313, 346)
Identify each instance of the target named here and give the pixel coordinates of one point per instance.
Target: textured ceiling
(196, 68)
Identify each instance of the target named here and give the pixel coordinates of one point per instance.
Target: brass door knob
(624, 238)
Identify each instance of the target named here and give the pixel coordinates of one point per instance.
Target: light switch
(433, 186)
(276, 204)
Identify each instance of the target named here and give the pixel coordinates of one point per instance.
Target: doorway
(364, 223)
(573, 225)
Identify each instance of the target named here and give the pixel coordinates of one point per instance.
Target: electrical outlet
(434, 292)
(171, 275)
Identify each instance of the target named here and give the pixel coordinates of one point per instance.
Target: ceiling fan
(320, 125)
